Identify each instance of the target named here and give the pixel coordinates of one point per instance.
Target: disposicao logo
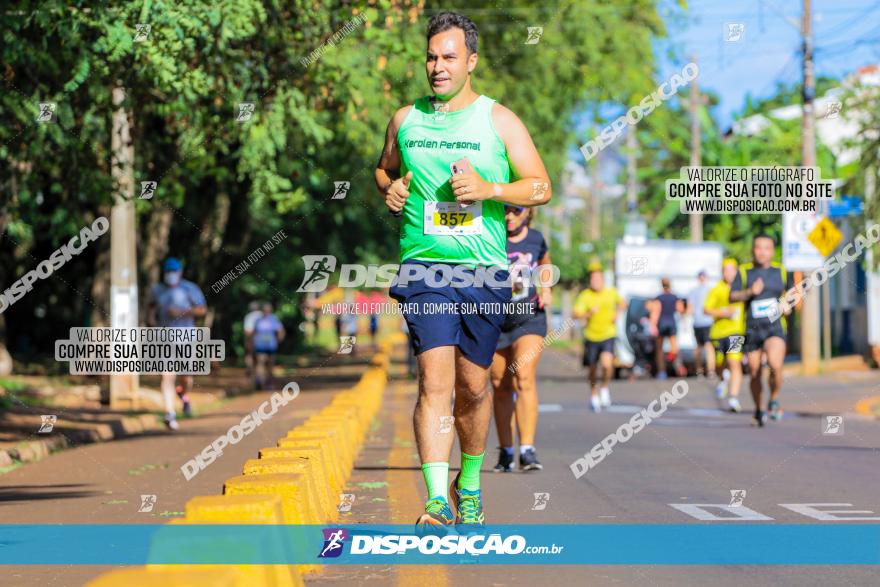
(334, 540)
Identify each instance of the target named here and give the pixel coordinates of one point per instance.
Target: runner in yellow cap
(727, 334)
(599, 305)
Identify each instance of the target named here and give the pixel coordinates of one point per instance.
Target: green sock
(436, 478)
(470, 471)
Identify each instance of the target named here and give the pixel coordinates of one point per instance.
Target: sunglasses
(515, 209)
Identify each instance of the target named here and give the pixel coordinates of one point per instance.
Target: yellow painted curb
(297, 482)
(330, 458)
(234, 508)
(344, 426)
(870, 406)
(310, 458)
(295, 508)
(246, 509)
(331, 432)
(316, 495)
(189, 576)
(325, 436)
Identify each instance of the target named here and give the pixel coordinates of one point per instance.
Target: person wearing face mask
(175, 303)
(514, 367)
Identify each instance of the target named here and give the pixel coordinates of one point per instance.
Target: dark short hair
(763, 235)
(444, 21)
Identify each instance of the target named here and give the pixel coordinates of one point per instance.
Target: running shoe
(733, 405)
(662, 376)
(759, 419)
(437, 513)
(187, 409)
(528, 461)
(775, 410)
(505, 462)
(468, 505)
(595, 403)
(171, 422)
(605, 397)
(720, 390)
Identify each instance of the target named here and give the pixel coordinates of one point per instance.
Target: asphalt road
(693, 454)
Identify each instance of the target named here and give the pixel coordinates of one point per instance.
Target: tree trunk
(5, 357)
(100, 293)
(158, 230)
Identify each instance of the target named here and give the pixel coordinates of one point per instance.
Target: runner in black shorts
(599, 306)
(663, 310)
(705, 365)
(522, 339)
(451, 161)
(760, 285)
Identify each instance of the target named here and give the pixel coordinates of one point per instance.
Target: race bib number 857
(453, 219)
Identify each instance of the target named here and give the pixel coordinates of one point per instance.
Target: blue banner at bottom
(595, 544)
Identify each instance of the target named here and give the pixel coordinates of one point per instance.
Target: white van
(638, 267)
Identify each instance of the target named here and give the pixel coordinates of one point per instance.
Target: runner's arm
(653, 312)
(531, 186)
(199, 305)
(152, 307)
(737, 291)
(388, 167)
(621, 305)
(579, 309)
(546, 293)
(722, 312)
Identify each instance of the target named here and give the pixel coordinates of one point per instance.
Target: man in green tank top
(455, 221)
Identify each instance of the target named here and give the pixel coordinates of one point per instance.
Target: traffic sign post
(825, 236)
(798, 253)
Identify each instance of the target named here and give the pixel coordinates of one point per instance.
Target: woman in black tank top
(663, 309)
(518, 351)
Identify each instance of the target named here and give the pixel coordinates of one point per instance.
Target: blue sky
(846, 37)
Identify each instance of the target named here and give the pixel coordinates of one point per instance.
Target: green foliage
(312, 125)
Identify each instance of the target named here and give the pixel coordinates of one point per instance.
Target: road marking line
(549, 408)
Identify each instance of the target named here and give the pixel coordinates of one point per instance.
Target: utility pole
(123, 255)
(632, 146)
(809, 331)
(696, 219)
(595, 203)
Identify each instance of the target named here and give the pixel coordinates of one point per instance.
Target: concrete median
(311, 454)
(317, 494)
(297, 482)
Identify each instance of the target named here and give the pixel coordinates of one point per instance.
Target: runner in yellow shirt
(727, 334)
(599, 305)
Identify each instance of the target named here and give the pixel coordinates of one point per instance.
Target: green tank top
(429, 142)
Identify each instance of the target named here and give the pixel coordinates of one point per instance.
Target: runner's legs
(436, 383)
(755, 383)
(775, 349)
(502, 384)
(606, 360)
(473, 405)
(526, 355)
(169, 391)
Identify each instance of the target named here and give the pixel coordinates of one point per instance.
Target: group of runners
(463, 175)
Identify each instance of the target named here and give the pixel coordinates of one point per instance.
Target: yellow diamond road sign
(825, 237)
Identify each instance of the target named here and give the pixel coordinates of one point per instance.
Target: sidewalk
(81, 419)
(104, 482)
